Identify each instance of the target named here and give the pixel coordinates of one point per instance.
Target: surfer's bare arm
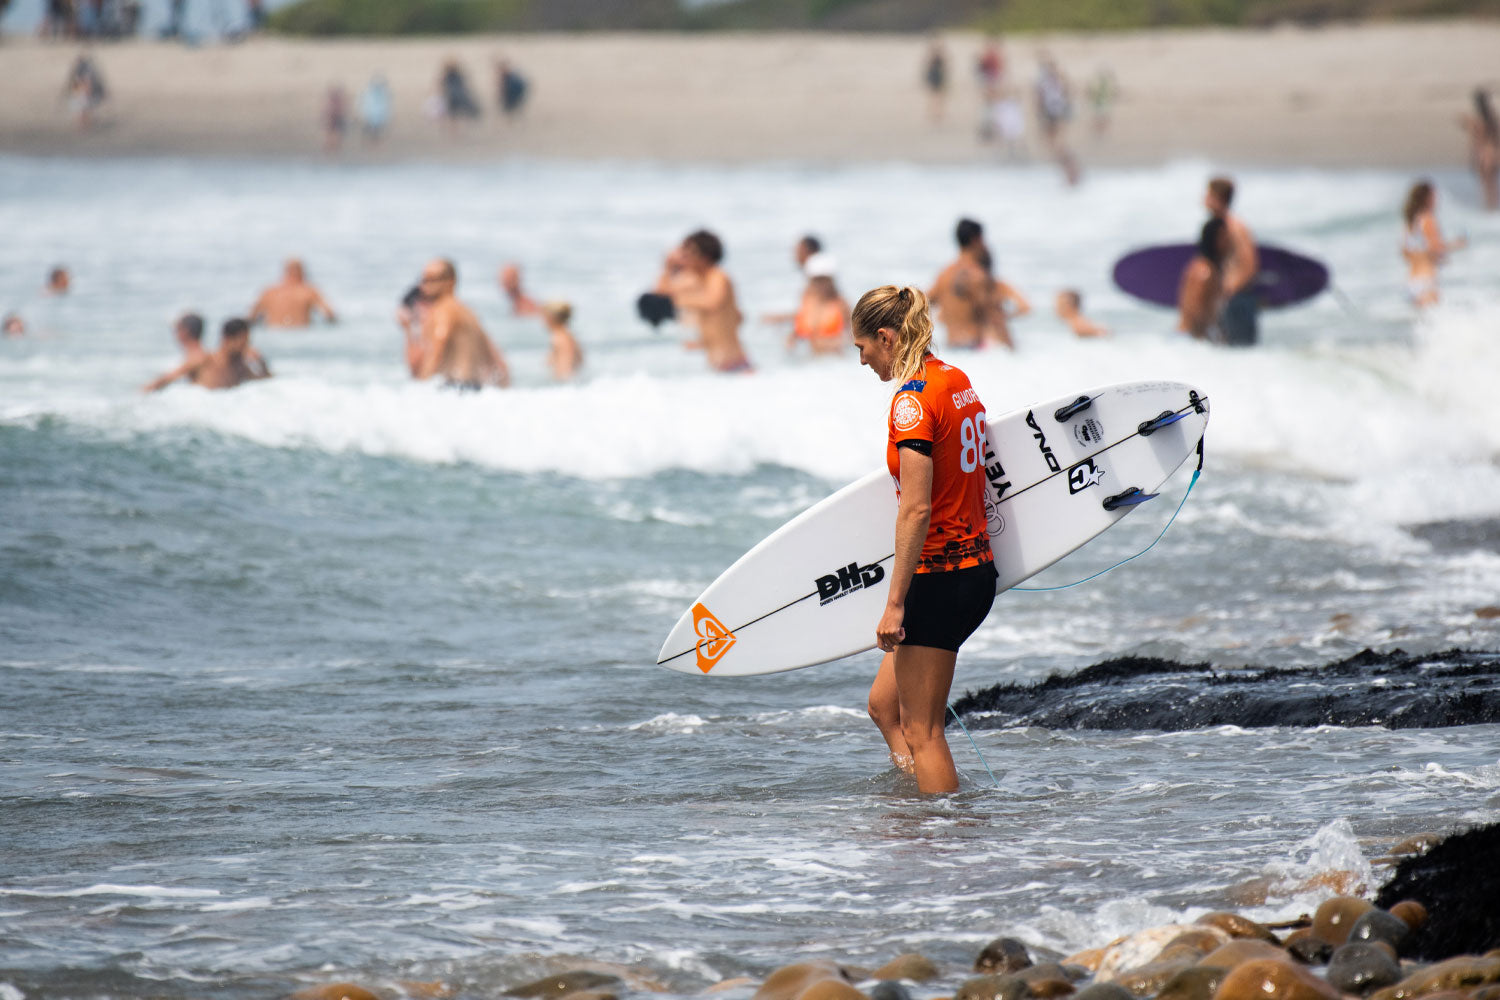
(913, 515)
(181, 371)
(1244, 257)
(318, 302)
(1012, 303)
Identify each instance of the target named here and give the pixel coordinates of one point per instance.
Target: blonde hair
(558, 311)
(903, 310)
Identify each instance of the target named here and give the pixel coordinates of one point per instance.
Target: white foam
(108, 889)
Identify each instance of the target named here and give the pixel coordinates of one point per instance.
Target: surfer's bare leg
(885, 712)
(924, 676)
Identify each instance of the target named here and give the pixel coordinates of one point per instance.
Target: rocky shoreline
(1431, 932)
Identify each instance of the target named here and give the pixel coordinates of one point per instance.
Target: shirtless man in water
(452, 343)
(961, 291)
(233, 363)
(292, 302)
(704, 297)
(189, 333)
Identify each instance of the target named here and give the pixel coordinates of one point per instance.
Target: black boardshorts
(944, 609)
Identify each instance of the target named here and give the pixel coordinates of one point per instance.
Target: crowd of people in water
(1218, 300)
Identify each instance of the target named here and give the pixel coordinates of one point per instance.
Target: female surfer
(1202, 285)
(943, 575)
(1422, 244)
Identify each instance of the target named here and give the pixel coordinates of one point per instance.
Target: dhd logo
(847, 580)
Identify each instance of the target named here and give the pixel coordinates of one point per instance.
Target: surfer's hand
(889, 633)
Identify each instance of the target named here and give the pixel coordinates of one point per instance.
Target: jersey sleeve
(912, 419)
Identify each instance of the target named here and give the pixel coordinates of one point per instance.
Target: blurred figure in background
(292, 301)
(1070, 311)
(452, 343)
(12, 325)
(84, 90)
(1199, 290)
(1484, 147)
(375, 109)
(822, 320)
(1239, 315)
(59, 281)
(996, 304)
(1102, 91)
(234, 363)
(458, 102)
(255, 15)
(188, 331)
(58, 20)
(335, 118)
(510, 89)
(991, 69)
(1422, 245)
(564, 356)
(935, 80)
(703, 297)
(174, 20)
(1054, 108)
(960, 291)
(521, 304)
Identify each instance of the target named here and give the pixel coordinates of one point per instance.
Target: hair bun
(904, 293)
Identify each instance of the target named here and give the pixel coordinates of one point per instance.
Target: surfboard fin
(1129, 498)
(1165, 419)
(1073, 409)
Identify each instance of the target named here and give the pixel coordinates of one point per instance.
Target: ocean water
(340, 676)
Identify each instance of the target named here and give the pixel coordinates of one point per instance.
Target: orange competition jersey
(942, 408)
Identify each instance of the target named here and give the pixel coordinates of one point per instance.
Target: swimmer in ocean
(234, 363)
(704, 298)
(452, 343)
(189, 333)
(292, 302)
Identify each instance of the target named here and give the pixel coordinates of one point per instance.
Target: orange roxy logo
(714, 639)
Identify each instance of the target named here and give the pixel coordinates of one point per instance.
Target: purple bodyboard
(1154, 273)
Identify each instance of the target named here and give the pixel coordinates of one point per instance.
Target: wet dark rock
(1451, 688)
(1412, 912)
(1146, 980)
(992, 988)
(1461, 972)
(1334, 918)
(791, 981)
(1310, 950)
(566, 983)
(1103, 991)
(1274, 979)
(1004, 954)
(917, 968)
(1481, 534)
(1360, 967)
(831, 989)
(1378, 925)
(1458, 882)
(1237, 926)
(1239, 951)
(1200, 982)
(890, 990)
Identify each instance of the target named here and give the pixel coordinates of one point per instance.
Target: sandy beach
(1381, 95)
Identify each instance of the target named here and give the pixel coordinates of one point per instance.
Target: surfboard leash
(975, 745)
(1077, 583)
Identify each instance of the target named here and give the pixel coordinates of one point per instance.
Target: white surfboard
(1059, 473)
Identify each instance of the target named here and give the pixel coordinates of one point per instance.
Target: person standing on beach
(935, 79)
(510, 89)
(335, 118)
(1422, 245)
(1238, 317)
(704, 298)
(1484, 147)
(452, 343)
(1054, 107)
(960, 292)
(375, 109)
(292, 302)
(943, 575)
(189, 333)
